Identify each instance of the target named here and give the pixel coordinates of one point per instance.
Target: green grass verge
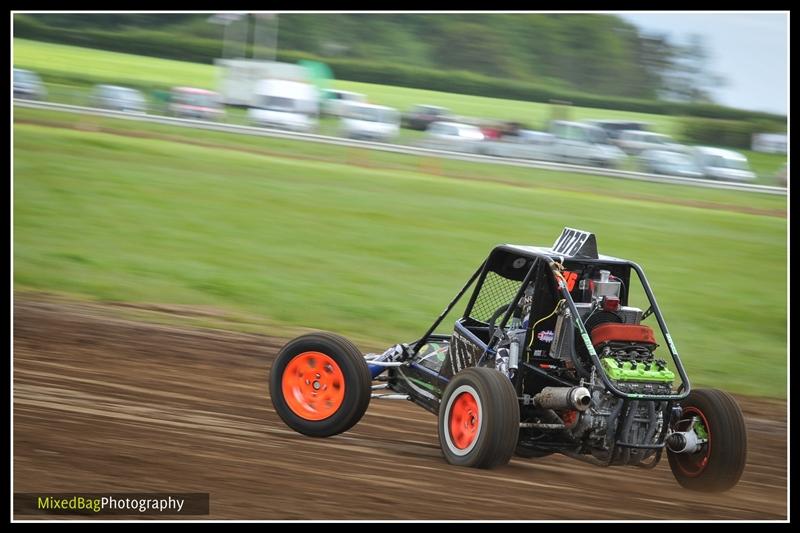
(73, 64)
(370, 252)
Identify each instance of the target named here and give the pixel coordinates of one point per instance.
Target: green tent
(321, 74)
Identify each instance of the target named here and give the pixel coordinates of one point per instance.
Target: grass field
(68, 62)
(372, 252)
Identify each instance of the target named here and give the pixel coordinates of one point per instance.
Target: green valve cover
(627, 371)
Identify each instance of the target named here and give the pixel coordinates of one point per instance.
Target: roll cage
(510, 270)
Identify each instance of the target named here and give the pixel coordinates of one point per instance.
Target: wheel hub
(695, 451)
(464, 420)
(313, 385)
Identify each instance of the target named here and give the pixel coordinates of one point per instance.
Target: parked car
(118, 98)
(526, 144)
(770, 143)
(285, 104)
(369, 121)
(420, 117)
(614, 128)
(454, 136)
(334, 101)
(190, 102)
(633, 142)
(721, 164)
(669, 163)
(584, 144)
(495, 130)
(28, 85)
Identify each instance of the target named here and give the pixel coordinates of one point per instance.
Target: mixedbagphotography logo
(195, 503)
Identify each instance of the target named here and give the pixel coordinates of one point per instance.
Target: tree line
(593, 53)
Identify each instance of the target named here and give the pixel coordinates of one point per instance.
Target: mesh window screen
(496, 291)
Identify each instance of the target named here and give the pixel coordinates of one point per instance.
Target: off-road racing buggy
(547, 357)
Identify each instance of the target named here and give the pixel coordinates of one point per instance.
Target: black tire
(496, 428)
(354, 371)
(718, 465)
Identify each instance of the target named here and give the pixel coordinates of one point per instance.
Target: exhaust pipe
(683, 442)
(560, 398)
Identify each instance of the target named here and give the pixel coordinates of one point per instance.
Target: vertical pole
(275, 40)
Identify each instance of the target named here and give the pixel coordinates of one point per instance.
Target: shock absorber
(513, 354)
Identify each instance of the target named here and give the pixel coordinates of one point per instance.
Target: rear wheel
(320, 384)
(718, 462)
(479, 419)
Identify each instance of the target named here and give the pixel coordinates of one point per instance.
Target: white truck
(239, 78)
(283, 104)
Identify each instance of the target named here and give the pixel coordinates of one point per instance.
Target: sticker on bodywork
(585, 336)
(671, 344)
(463, 353)
(545, 336)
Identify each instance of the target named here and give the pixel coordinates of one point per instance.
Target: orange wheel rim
(464, 420)
(313, 385)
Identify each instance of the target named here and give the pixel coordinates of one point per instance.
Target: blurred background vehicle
(334, 101)
(191, 102)
(578, 143)
(493, 130)
(770, 143)
(722, 164)
(28, 85)
(118, 98)
(669, 163)
(633, 142)
(420, 117)
(285, 104)
(614, 128)
(454, 136)
(239, 79)
(526, 144)
(369, 122)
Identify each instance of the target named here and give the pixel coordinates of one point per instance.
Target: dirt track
(105, 404)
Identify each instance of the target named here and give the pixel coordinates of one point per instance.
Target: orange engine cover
(612, 332)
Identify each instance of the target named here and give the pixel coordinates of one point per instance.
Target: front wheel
(320, 384)
(715, 464)
(479, 419)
